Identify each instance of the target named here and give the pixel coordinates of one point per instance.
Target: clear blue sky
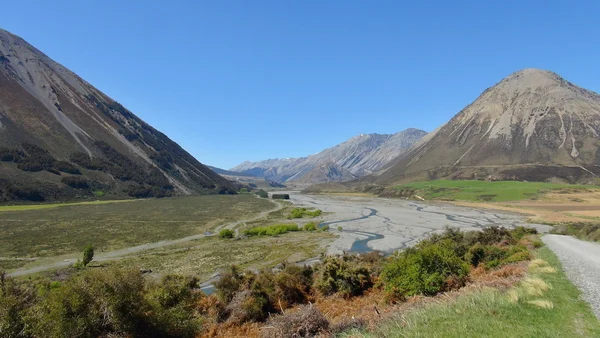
(249, 80)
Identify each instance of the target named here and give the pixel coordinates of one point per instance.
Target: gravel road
(581, 262)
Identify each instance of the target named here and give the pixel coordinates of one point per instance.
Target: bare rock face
(361, 155)
(47, 109)
(532, 120)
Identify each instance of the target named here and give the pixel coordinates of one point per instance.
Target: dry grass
(535, 286)
(554, 207)
(542, 303)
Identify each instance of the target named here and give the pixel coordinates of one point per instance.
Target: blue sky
(249, 80)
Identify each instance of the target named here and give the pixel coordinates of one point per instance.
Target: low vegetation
(226, 233)
(98, 302)
(545, 304)
(476, 191)
(303, 212)
(262, 194)
(134, 306)
(52, 230)
(585, 231)
(271, 230)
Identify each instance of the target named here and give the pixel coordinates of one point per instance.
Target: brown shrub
(308, 321)
(246, 307)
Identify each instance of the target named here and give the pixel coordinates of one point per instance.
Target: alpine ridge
(361, 155)
(61, 138)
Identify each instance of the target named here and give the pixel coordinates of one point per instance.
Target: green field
(551, 308)
(479, 191)
(34, 231)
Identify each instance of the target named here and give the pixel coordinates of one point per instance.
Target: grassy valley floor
(32, 234)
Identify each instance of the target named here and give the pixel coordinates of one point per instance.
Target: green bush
(301, 212)
(310, 226)
(344, 275)
(324, 228)
(96, 303)
(272, 230)
(427, 269)
(88, 255)
(226, 233)
(15, 301)
(521, 231)
(262, 194)
(172, 304)
(116, 302)
(231, 281)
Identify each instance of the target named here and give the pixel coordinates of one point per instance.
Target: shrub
(308, 321)
(297, 213)
(172, 303)
(15, 300)
(301, 212)
(263, 194)
(339, 228)
(344, 275)
(311, 226)
(76, 182)
(66, 167)
(292, 285)
(11, 155)
(272, 230)
(246, 306)
(426, 269)
(281, 196)
(521, 231)
(226, 233)
(96, 303)
(230, 282)
(88, 255)
(324, 228)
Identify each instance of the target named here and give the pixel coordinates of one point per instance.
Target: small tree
(226, 233)
(88, 255)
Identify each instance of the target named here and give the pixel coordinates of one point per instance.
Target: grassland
(545, 304)
(478, 191)
(66, 228)
(203, 257)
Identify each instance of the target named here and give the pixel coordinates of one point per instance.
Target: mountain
(533, 125)
(358, 156)
(61, 138)
(224, 172)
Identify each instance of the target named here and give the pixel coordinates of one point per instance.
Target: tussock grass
(535, 286)
(541, 303)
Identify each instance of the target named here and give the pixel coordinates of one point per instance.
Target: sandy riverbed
(371, 223)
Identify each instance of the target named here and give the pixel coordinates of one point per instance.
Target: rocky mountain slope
(360, 155)
(61, 138)
(532, 125)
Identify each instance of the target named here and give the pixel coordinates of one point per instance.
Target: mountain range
(359, 156)
(62, 138)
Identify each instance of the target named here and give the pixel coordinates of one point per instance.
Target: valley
(178, 235)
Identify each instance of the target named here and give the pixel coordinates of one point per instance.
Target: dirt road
(581, 262)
